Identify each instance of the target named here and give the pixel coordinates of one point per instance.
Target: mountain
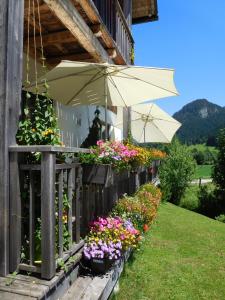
(201, 121)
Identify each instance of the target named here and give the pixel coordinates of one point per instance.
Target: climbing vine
(38, 123)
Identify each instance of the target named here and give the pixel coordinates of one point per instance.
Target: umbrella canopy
(150, 124)
(76, 83)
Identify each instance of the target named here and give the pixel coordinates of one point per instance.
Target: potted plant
(108, 240)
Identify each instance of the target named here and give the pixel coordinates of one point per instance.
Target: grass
(182, 257)
(203, 171)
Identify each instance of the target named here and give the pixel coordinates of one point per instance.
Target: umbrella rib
(85, 85)
(113, 82)
(61, 77)
(161, 132)
(158, 119)
(136, 78)
(93, 79)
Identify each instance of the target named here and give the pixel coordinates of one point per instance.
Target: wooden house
(79, 30)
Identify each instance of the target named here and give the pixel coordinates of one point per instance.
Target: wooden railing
(44, 205)
(113, 17)
(51, 206)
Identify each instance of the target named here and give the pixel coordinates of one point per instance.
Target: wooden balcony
(53, 201)
(117, 25)
(79, 30)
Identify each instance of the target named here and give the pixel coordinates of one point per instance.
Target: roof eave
(145, 19)
(150, 15)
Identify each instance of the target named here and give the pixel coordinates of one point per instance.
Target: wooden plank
(48, 267)
(47, 148)
(78, 204)
(24, 288)
(32, 218)
(54, 38)
(38, 167)
(15, 213)
(77, 290)
(60, 214)
(90, 10)
(72, 20)
(70, 191)
(29, 268)
(74, 57)
(10, 296)
(11, 37)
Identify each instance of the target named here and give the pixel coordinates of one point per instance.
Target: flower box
(97, 174)
(100, 265)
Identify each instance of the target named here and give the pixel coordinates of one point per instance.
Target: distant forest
(201, 121)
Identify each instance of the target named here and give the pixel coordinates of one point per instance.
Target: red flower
(145, 227)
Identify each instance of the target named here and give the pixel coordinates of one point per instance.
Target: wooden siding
(11, 36)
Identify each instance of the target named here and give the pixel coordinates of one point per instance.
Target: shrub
(176, 172)
(190, 199)
(220, 218)
(219, 166)
(151, 188)
(211, 203)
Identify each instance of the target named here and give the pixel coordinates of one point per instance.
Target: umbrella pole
(144, 134)
(106, 102)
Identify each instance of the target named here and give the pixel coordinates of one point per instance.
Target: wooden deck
(24, 287)
(64, 286)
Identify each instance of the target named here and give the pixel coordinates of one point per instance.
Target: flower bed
(111, 237)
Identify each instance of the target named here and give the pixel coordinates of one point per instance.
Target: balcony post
(48, 267)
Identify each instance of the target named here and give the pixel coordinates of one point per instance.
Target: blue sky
(189, 37)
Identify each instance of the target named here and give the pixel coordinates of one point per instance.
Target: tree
(176, 172)
(219, 166)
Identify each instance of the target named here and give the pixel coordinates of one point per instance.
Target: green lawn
(182, 257)
(203, 171)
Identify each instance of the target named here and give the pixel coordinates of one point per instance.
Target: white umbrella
(76, 83)
(150, 124)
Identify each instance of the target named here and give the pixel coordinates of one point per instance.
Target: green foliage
(176, 172)
(190, 199)
(221, 218)
(219, 167)
(204, 155)
(141, 209)
(38, 124)
(210, 203)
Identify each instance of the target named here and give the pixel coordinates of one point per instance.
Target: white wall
(74, 123)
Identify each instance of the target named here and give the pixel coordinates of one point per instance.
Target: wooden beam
(54, 38)
(112, 53)
(72, 20)
(74, 57)
(90, 10)
(11, 46)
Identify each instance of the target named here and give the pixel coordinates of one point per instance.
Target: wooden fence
(51, 207)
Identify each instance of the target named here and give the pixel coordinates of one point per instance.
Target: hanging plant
(38, 124)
